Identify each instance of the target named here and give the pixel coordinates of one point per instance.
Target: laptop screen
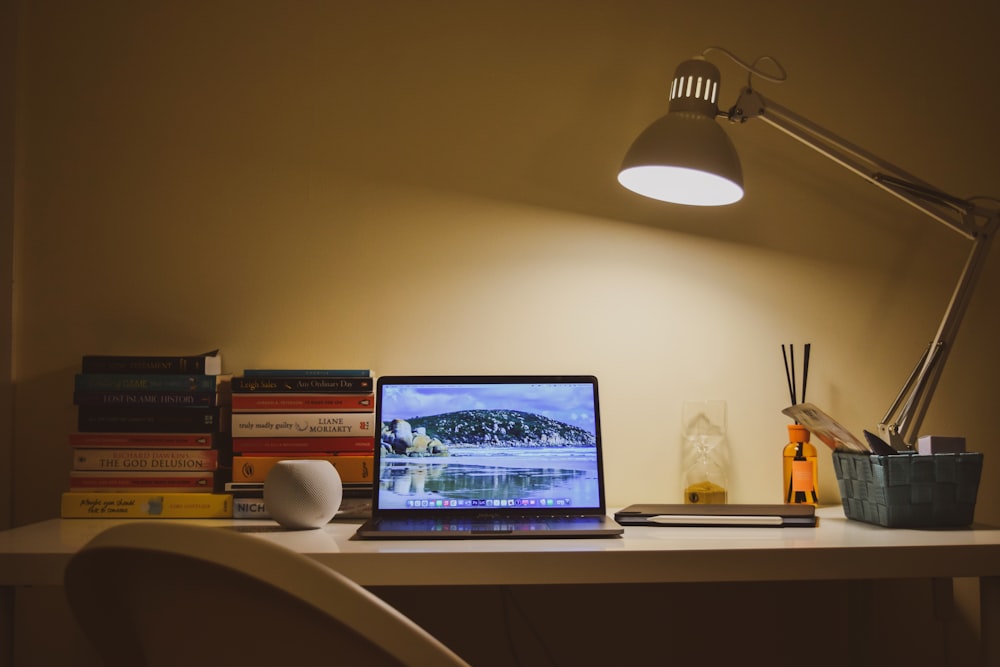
(503, 444)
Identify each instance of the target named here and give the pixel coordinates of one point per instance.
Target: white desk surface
(838, 549)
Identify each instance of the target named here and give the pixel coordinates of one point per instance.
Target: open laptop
(488, 456)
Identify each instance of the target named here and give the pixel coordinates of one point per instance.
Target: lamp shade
(685, 157)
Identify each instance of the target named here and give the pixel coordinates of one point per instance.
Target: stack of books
(313, 413)
(152, 438)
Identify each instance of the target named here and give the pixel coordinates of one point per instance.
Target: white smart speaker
(303, 493)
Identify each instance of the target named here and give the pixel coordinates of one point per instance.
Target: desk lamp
(685, 157)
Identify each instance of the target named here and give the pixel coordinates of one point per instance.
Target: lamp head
(685, 157)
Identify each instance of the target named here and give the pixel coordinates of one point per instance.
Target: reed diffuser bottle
(799, 469)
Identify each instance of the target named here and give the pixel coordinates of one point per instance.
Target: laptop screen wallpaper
(489, 447)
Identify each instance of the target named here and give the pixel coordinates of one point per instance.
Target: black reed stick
(788, 375)
(805, 371)
(791, 354)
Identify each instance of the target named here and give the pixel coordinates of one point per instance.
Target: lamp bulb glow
(680, 185)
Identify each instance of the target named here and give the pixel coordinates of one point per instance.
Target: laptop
(501, 456)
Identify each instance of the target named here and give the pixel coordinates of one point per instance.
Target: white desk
(837, 550)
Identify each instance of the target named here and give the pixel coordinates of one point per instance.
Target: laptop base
(458, 528)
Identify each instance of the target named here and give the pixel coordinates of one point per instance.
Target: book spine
(92, 418)
(250, 508)
(313, 424)
(150, 382)
(145, 459)
(256, 489)
(303, 402)
(301, 385)
(192, 399)
(206, 364)
(245, 489)
(121, 482)
(147, 505)
(145, 440)
(352, 469)
(307, 372)
(307, 445)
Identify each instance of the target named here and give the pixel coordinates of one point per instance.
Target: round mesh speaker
(303, 493)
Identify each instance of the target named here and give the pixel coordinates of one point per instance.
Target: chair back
(162, 594)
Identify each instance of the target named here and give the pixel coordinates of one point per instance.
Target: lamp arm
(978, 224)
(913, 411)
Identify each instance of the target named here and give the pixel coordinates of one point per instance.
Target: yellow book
(352, 469)
(107, 505)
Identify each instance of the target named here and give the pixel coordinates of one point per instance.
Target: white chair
(155, 593)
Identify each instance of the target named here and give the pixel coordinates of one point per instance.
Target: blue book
(85, 382)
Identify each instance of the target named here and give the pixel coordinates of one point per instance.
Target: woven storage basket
(909, 490)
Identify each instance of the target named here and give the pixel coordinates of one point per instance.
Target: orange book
(352, 469)
(296, 445)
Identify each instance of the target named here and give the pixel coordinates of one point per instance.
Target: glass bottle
(799, 468)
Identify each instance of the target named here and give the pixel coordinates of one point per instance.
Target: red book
(303, 402)
(94, 480)
(107, 440)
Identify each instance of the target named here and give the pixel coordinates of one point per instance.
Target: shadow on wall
(44, 416)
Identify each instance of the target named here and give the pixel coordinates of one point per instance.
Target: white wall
(428, 282)
(243, 177)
